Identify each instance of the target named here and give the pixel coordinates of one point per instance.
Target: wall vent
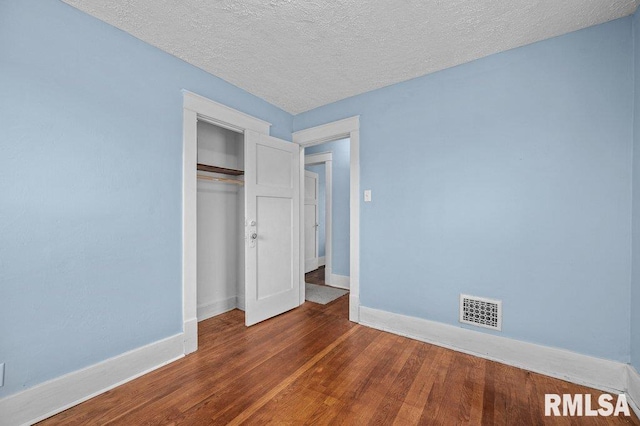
(481, 312)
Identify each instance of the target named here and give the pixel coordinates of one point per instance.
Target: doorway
(271, 229)
(348, 128)
(220, 220)
(331, 162)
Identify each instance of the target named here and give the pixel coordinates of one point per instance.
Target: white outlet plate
(2, 374)
(367, 195)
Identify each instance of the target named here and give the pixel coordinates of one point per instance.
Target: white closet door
(311, 224)
(272, 214)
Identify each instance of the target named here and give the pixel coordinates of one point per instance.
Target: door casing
(196, 107)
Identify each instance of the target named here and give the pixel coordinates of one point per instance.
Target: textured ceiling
(301, 54)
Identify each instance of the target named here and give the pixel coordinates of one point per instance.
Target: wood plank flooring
(313, 366)
(315, 277)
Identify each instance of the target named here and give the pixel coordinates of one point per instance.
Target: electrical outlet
(2, 374)
(367, 195)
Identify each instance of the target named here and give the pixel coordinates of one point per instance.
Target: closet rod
(219, 179)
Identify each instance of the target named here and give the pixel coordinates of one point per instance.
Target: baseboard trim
(322, 261)
(340, 281)
(354, 308)
(216, 308)
(633, 389)
(44, 400)
(606, 375)
(240, 302)
(190, 328)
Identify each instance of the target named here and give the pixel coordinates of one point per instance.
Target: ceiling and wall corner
(300, 55)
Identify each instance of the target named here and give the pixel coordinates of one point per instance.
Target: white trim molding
(633, 389)
(196, 107)
(354, 306)
(189, 229)
(340, 281)
(190, 335)
(223, 116)
(216, 308)
(327, 132)
(240, 301)
(44, 400)
(322, 261)
(346, 128)
(318, 158)
(607, 375)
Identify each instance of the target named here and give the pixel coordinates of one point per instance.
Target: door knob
(254, 236)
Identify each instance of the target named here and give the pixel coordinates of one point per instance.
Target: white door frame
(346, 128)
(326, 158)
(196, 107)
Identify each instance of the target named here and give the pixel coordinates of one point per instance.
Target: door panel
(271, 171)
(272, 219)
(274, 241)
(310, 185)
(309, 234)
(311, 260)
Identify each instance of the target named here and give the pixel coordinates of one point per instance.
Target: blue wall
(635, 278)
(90, 188)
(508, 177)
(319, 169)
(341, 200)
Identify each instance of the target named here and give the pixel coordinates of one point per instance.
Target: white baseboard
(322, 261)
(633, 389)
(610, 376)
(354, 308)
(240, 302)
(49, 398)
(216, 308)
(190, 328)
(340, 281)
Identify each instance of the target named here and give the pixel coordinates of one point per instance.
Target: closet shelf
(216, 169)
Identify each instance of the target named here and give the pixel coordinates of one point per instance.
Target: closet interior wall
(220, 223)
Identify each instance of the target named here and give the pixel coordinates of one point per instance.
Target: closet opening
(220, 220)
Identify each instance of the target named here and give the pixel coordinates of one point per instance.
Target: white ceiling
(301, 54)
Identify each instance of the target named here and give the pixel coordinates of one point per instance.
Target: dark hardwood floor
(313, 366)
(315, 277)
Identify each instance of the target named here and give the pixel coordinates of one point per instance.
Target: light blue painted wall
(341, 199)
(635, 281)
(322, 238)
(508, 177)
(90, 188)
